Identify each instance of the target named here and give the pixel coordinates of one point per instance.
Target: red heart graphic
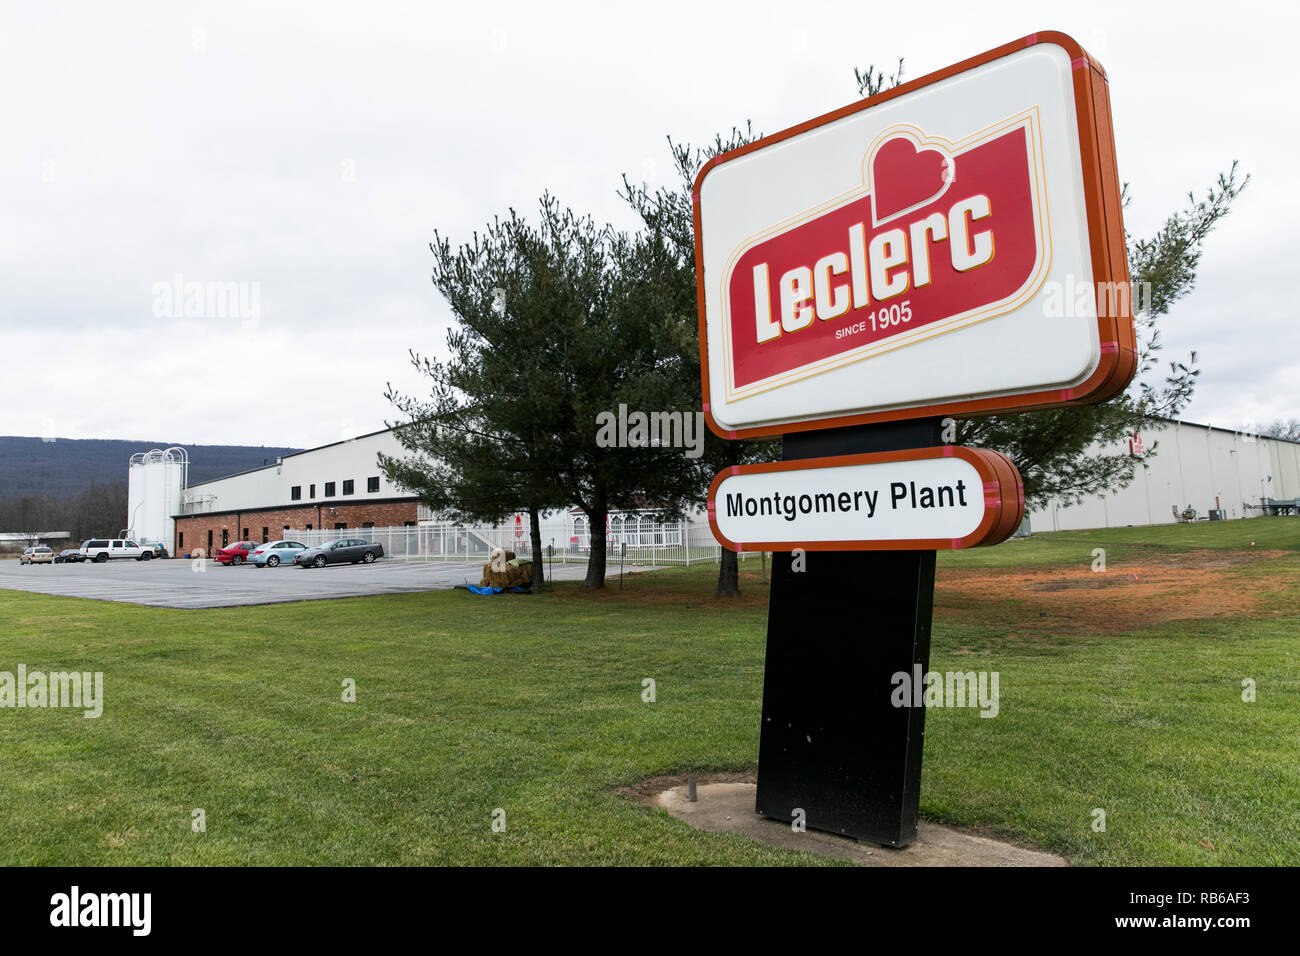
(903, 176)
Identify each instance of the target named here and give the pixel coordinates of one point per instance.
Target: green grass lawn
(534, 705)
(1067, 547)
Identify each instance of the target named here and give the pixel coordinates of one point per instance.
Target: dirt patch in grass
(678, 590)
(1136, 593)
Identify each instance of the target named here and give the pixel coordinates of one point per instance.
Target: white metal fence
(648, 544)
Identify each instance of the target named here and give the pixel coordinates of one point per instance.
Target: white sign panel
(922, 498)
(936, 249)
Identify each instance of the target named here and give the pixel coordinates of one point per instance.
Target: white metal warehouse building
(1197, 466)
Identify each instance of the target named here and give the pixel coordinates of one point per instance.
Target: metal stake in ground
(840, 625)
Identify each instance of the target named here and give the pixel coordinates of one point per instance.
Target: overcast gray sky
(309, 150)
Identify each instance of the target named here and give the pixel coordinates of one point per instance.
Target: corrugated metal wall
(1193, 465)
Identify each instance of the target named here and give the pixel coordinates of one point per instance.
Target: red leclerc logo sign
(899, 258)
(946, 233)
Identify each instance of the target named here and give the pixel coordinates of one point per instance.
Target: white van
(100, 550)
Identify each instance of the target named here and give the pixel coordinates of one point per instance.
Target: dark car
(69, 556)
(346, 550)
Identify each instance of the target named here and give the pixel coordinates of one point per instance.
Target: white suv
(100, 550)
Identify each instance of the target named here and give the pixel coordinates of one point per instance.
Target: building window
(340, 525)
(348, 487)
(266, 535)
(295, 493)
(408, 524)
(225, 537)
(367, 524)
(180, 541)
(286, 527)
(209, 541)
(245, 534)
(372, 485)
(308, 525)
(329, 489)
(311, 491)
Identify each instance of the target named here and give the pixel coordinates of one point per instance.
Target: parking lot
(180, 582)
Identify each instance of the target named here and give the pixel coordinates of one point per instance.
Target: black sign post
(833, 750)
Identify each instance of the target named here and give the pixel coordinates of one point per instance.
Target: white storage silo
(155, 481)
(134, 490)
(172, 474)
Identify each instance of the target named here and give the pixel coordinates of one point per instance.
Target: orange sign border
(1004, 500)
(1109, 254)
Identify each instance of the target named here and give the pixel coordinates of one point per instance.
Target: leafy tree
(99, 511)
(872, 81)
(1282, 429)
(667, 213)
(629, 350)
(556, 324)
(482, 443)
(460, 468)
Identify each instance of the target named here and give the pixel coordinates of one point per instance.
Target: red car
(236, 553)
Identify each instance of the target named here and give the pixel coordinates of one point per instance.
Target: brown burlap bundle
(511, 577)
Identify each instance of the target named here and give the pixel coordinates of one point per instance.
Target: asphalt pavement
(187, 583)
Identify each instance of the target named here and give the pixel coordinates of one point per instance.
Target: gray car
(344, 551)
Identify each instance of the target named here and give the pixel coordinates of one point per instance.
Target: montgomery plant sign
(951, 247)
(925, 498)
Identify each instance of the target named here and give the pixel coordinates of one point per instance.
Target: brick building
(334, 487)
(217, 529)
